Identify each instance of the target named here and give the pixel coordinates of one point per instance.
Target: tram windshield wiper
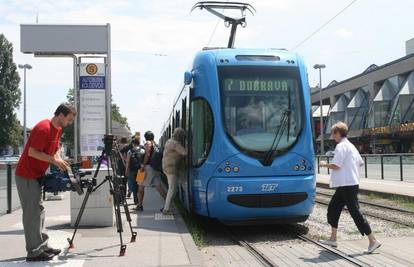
(284, 123)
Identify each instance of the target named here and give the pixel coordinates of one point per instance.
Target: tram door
(182, 120)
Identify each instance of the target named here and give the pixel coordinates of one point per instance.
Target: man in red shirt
(41, 150)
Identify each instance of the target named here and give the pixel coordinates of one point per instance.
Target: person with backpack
(133, 164)
(174, 152)
(121, 163)
(151, 167)
(124, 152)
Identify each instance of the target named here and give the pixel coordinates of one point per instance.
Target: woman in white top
(345, 178)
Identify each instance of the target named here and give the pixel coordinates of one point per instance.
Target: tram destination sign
(257, 85)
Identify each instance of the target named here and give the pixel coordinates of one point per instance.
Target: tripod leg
(78, 218)
(128, 216)
(116, 194)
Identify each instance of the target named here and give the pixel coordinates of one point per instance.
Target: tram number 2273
(234, 189)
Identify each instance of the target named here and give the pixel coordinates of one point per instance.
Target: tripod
(118, 198)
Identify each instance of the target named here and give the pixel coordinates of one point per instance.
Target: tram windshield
(254, 99)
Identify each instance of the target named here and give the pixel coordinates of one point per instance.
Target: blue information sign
(92, 82)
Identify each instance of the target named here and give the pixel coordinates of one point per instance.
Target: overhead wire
(323, 25)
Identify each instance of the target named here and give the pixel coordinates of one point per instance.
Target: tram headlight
(303, 167)
(296, 168)
(227, 169)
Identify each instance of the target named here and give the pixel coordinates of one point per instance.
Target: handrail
(378, 155)
(381, 157)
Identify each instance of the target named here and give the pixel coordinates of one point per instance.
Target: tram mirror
(188, 77)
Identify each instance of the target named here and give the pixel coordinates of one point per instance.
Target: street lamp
(320, 67)
(25, 66)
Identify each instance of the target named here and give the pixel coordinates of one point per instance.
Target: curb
(367, 191)
(192, 250)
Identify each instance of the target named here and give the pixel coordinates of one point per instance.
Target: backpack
(135, 159)
(156, 158)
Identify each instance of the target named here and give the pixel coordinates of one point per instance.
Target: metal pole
(318, 163)
(9, 187)
(366, 167)
(108, 85)
(327, 159)
(401, 169)
(321, 117)
(24, 110)
(382, 168)
(75, 97)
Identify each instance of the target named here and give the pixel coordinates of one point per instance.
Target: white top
(348, 159)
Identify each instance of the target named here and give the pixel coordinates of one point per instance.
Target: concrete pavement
(162, 240)
(405, 189)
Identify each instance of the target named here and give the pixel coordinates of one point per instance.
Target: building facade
(377, 105)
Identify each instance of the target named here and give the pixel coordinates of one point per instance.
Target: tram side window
(202, 131)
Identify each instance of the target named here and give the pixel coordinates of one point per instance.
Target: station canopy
(403, 109)
(317, 111)
(357, 109)
(381, 106)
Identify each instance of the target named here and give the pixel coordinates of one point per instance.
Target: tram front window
(254, 100)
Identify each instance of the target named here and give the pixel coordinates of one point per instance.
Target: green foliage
(117, 116)
(10, 129)
(193, 224)
(68, 132)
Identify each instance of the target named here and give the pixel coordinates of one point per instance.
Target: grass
(193, 224)
(401, 201)
(398, 226)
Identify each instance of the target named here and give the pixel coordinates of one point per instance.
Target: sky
(154, 42)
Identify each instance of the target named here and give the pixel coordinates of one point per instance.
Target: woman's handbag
(140, 177)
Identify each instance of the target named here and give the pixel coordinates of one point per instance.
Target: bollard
(366, 167)
(9, 188)
(401, 169)
(327, 159)
(382, 168)
(318, 163)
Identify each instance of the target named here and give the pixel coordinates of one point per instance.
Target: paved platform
(161, 241)
(405, 189)
(395, 251)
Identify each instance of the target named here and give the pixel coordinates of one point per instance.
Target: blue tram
(249, 140)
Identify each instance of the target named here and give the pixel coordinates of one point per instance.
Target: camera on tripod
(67, 181)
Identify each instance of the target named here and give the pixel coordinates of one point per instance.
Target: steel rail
(372, 215)
(332, 250)
(260, 256)
(374, 204)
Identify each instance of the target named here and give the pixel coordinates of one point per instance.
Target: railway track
(260, 256)
(374, 204)
(386, 213)
(265, 260)
(332, 250)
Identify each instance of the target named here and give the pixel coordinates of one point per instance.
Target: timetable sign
(92, 111)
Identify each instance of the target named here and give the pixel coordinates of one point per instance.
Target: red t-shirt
(44, 137)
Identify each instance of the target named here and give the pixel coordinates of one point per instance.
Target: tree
(117, 116)
(10, 95)
(68, 132)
